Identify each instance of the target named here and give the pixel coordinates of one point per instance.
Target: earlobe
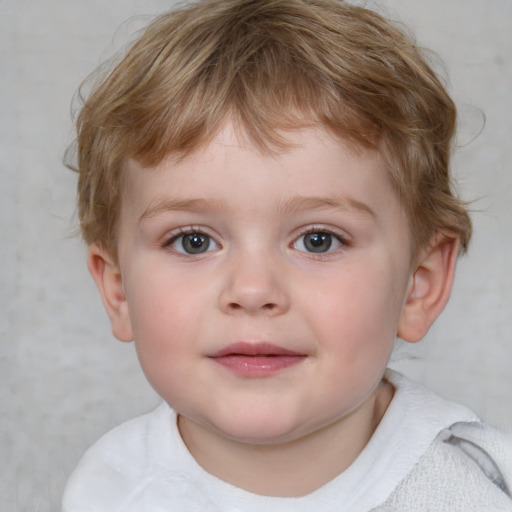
(107, 276)
(429, 287)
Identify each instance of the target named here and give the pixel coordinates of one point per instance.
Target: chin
(262, 430)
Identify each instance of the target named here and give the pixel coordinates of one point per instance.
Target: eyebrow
(327, 202)
(295, 204)
(174, 204)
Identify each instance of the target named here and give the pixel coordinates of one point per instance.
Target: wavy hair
(271, 66)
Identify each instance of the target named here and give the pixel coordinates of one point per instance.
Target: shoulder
(466, 468)
(450, 460)
(488, 448)
(109, 470)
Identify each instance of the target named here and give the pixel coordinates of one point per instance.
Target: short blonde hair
(271, 65)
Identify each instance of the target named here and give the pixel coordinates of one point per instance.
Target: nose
(254, 285)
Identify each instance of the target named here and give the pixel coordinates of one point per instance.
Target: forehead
(231, 168)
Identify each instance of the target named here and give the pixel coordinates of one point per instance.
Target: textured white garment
(412, 462)
(447, 479)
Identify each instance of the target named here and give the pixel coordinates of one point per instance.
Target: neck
(294, 468)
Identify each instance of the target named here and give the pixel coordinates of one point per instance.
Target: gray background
(64, 380)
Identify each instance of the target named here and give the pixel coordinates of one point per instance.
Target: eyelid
(177, 233)
(342, 238)
(322, 228)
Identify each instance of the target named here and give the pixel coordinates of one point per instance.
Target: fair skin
(264, 294)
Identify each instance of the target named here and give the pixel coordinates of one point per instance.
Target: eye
(192, 243)
(318, 242)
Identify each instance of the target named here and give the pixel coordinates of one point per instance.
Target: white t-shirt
(412, 462)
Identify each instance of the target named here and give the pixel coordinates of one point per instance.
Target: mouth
(256, 359)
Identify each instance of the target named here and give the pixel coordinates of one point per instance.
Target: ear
(107, 276)
(429, 287)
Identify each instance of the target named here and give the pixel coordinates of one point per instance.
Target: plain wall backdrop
(64, 380)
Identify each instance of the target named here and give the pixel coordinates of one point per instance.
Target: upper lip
(253, 349)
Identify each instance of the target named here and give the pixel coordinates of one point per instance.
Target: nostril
(269, 306)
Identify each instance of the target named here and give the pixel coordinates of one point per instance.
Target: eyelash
(183, 232)
(343, 240)
(194, 230)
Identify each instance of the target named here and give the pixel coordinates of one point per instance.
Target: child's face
(264, 293)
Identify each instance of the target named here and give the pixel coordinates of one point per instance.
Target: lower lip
(258, 366)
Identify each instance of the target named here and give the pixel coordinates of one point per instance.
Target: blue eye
(192, 243)
(318, 242)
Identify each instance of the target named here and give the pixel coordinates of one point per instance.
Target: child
(264, 189)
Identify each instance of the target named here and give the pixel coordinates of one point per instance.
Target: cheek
(359, 309)
(160, 318)
(160, 299)
(163, 341)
